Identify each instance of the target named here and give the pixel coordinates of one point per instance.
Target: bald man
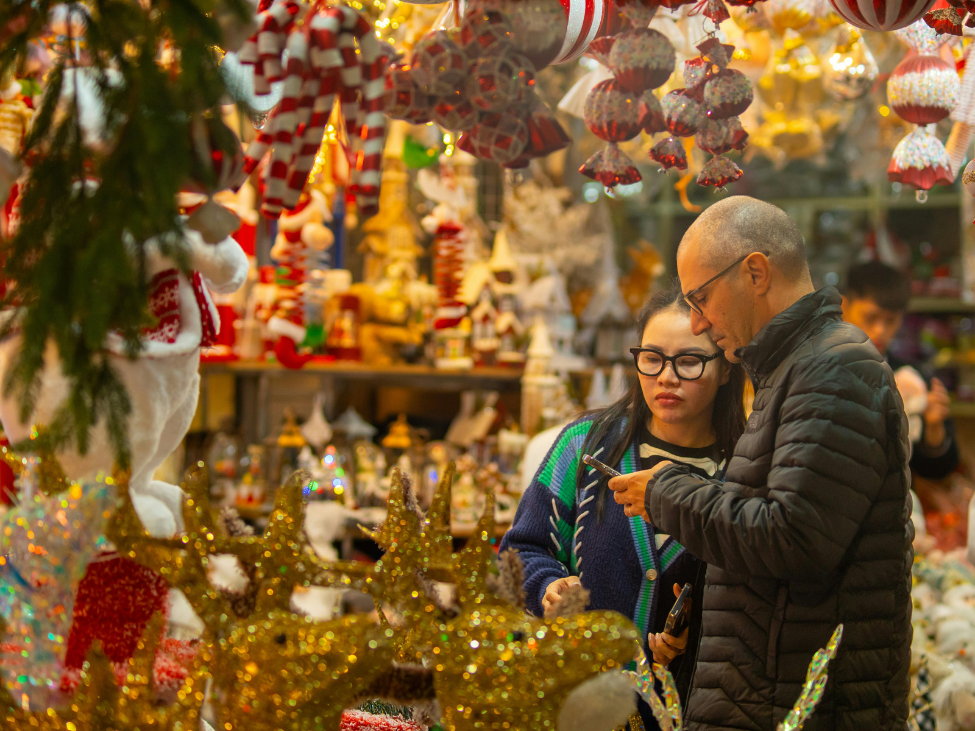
(811, 527)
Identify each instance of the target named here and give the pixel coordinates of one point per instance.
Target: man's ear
(758, 272)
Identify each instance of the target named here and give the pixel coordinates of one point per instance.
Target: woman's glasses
(687, 366)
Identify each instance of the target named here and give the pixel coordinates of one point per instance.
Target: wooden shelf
(940, 305)
(416, 376)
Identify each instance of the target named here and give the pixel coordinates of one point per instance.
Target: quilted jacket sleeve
(542, 530)
(827, 467)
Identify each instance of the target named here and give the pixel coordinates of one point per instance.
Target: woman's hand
(553, 593)
(666, 647)
(630, 490)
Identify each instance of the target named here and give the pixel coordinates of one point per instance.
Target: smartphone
(597, 465)
(680, 615)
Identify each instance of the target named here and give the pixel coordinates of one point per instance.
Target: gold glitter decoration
(816, 679)
(488, 664)
(50, 476)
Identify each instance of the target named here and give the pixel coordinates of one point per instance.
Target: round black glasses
(687, 366)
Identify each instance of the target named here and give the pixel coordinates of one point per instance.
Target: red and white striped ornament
(548, 31)
(923, 88)
(332, 53)
(881, 15)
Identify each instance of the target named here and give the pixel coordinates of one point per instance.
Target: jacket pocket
(778, 617)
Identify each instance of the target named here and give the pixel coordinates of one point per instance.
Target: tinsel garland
(87, 206)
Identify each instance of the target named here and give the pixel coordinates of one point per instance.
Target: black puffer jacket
(811, 528)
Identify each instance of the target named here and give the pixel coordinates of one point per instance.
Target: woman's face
(672, 400)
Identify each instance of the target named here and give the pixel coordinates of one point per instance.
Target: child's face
(879, 324)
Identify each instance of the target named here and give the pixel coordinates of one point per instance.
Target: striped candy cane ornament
(322, 63)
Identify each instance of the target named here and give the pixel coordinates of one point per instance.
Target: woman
(686, 407)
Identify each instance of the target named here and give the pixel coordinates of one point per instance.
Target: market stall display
(354, 264)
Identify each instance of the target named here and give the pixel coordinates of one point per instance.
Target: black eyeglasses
(689, 297)
(687, 366)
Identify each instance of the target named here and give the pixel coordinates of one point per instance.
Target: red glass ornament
(497, 81)
(881, 15)
(611, 112)
(611, 167)
(718, 172)
(642, 59)
(498, 137)
(923, 88)
(727, 93)
(485, 33)
(651, 113)
(403, 98)
(439, 64)
(670, 154)
(719, 136)
(455, 115)
(683, 114)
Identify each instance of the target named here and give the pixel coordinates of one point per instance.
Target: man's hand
(553, 591)
(666, 647)
(935, 415)
(630, 490)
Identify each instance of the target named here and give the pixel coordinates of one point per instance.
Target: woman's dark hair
(630, 414)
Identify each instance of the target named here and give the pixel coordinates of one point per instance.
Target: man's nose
(699, 323)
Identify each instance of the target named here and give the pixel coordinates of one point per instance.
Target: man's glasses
(687, 366)
(689, 297)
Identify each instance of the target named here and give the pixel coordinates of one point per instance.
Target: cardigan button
(651, 575)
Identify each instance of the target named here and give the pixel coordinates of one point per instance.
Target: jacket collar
(789, 329)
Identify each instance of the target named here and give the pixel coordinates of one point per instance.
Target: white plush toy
(162, 382)
(954, 700)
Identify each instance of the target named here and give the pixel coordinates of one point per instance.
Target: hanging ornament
(683, 114)
(849, 69)
(612, 113)
(811, 18)
(485, 34)
(727, 93)
(456, 115)
(496, 81)
(714, 10)
(600, 49)
(403, 98)
(718, 172)
(611, 167)
(651, 113)
(920, 161)
(639, 12)
(968, 178)
(881, 15)
(439, 66)
(670, 153)
(719, 136)
(696, 72)
(947, 17)
(547, 31)
(641, 59)
(923, 88)
(497, 137)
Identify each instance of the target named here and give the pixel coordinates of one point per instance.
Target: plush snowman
(163, 382)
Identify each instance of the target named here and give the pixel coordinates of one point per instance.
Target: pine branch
(78, 259)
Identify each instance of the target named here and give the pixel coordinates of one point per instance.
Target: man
(875, 301)
(811, 527)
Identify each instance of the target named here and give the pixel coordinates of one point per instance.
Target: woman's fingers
(678, 644)
(663, 654)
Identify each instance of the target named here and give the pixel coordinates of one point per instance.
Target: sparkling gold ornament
(849, 68)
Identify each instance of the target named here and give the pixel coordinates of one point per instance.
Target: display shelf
(940, 305)
(417, 376)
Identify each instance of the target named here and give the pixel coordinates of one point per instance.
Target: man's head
(756, 257)
(875, 301)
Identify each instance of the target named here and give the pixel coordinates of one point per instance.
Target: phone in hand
(680, 615)
(597, 465)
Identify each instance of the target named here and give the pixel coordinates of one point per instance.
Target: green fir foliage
(78, 257)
